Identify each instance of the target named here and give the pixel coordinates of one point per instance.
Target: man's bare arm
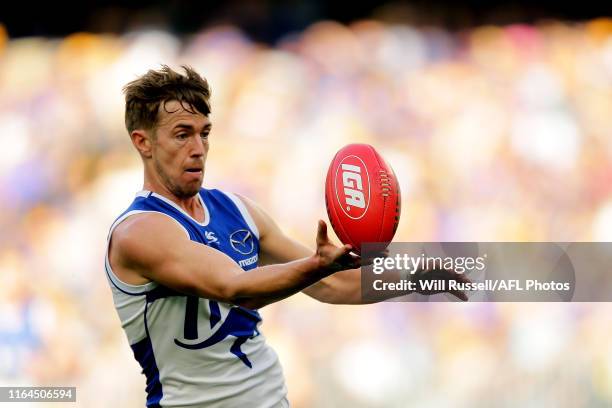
(152, 246)
(343, 287)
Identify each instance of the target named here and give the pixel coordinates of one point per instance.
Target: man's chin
(188, 191)
(192, 193)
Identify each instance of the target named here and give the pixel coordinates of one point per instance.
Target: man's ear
(142, 141)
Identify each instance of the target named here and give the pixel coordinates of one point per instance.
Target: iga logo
(352, 185)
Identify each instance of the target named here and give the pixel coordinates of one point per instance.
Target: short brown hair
(144, 95)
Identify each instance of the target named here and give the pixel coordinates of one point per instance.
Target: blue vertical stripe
(191, 318)
(143, 352)
(215, 313)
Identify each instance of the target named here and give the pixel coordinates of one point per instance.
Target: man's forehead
(174, 111)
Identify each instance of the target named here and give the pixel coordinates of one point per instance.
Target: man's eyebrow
(188, 126)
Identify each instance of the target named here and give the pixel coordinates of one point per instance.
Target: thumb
(344, 250)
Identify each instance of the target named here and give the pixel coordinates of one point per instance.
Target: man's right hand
(330, 257)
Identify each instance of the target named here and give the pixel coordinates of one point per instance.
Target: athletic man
(182, 261)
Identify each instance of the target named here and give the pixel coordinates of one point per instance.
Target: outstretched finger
(451, 274)
(322, 233)
(462, 277)
(459, 294)
(367, 261)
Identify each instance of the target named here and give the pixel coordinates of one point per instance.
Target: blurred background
(495, 116)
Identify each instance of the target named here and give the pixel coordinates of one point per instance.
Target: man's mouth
(194, 170)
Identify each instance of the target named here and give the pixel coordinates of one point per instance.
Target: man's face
(180, 147)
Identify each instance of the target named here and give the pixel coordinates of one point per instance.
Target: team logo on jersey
(240, 323)
(242, 241)
(211, 238)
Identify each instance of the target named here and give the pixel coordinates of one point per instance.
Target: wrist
(313, 262)
(316, 265)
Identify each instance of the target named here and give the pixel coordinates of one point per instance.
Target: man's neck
(191, 205)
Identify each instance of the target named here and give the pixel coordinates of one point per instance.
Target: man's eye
(182, 136)
(204, 135)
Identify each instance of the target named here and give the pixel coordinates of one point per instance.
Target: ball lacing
(385, 182)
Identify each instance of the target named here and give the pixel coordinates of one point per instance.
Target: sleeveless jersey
(197, 352)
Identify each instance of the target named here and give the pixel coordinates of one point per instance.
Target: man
(177, 257)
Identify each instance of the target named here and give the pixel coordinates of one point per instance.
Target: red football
(362, 196)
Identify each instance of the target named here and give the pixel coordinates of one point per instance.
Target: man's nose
(198, 147)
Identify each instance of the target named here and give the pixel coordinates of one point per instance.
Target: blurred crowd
(495, 133)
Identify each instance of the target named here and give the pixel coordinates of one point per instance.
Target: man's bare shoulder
(140, 241)
(144, 226)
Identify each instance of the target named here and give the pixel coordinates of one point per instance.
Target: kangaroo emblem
(240, 323)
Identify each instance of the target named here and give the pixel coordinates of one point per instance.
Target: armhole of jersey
(128, 289)
(244, 211)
